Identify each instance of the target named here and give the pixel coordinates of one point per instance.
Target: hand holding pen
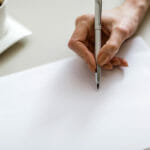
(118, 25)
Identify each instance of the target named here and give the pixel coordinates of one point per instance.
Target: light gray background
(52, 23)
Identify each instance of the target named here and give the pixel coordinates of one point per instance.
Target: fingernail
(125, 64)
(92, 68)
(108, 66)
(116, 63)
(103, 59)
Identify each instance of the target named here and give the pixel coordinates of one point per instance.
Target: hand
(117, 25)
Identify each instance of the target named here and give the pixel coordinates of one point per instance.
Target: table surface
(52, 23)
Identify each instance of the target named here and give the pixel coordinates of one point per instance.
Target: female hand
(118, 25)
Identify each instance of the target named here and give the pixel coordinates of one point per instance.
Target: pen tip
(97, 86)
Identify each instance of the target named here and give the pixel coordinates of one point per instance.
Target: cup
(3, 18)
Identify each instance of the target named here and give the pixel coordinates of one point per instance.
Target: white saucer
(14, 32)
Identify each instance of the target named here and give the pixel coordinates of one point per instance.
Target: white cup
(3, 19)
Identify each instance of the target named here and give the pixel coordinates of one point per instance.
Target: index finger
(77, 44)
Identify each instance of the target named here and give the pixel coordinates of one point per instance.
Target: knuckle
(71, 43)
(111, 49)
(83, 18)
(78, 19)
(125, 31)
(142, 5)
(113, 46)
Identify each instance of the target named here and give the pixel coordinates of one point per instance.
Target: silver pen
(98, 12)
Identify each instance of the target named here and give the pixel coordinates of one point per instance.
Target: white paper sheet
(57, 106)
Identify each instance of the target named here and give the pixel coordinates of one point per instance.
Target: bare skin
(118, 25)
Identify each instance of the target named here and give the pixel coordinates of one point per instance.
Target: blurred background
(52, 23)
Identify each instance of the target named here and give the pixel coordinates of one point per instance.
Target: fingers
(108, 66)
(77, 44)
(83, 51)
(110, 49)
(115, 62)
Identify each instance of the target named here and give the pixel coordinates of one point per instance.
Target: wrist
(137, 8)
(138, 3)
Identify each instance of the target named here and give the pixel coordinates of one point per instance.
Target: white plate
(14, 32)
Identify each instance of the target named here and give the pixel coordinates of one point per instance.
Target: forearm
(139, 7)
(139, 3)
(136, 9)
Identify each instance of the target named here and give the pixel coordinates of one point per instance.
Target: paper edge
(62, 60)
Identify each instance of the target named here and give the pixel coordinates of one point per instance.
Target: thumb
(112, 46)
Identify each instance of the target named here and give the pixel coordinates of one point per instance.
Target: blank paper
(57, 106)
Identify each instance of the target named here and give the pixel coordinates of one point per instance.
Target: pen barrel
(97, 49)
(97, 42)
(98, 12)
(98, 74)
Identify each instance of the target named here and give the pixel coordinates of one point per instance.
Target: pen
(98, 11)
